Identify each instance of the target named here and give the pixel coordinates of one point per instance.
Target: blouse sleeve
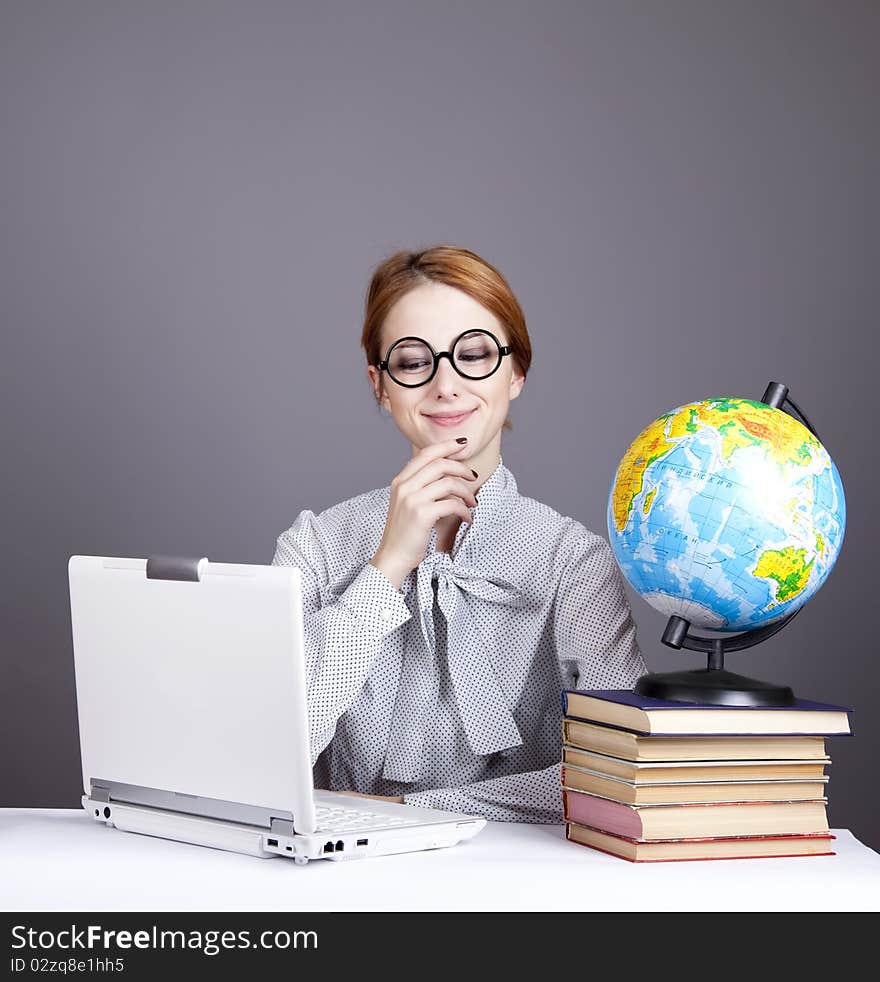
(342, 636)
(532, 796)
(592, 622)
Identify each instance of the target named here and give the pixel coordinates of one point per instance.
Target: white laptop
(191, 696)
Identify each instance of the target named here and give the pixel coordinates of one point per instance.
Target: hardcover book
(638, 747)
(680, 850)
(642, 714)
(683, 821)
(580, 779)
(664, 772)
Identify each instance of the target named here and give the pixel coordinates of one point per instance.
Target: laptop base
(262, 843)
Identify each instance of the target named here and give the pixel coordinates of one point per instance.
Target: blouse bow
(485, 714)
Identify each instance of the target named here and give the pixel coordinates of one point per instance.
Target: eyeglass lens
(476, 355)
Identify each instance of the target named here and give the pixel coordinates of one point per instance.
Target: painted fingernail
(461, 439)
(474, 472)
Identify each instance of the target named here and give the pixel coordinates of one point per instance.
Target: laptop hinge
(281, 826)
(174, 568)
(190, 804)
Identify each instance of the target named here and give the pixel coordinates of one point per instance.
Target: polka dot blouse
(448, 691)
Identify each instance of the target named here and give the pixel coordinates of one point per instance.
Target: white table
(61, 860)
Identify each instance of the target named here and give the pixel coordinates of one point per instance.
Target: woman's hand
(378, 797)
(430, 487)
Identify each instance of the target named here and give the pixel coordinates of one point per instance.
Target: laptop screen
(194, 687)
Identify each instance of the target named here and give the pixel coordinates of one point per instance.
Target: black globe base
(715, 686)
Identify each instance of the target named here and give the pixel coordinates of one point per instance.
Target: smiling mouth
(449, 420)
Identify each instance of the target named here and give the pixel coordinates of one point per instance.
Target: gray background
(193, 196)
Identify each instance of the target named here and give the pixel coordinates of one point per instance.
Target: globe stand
(714, 684)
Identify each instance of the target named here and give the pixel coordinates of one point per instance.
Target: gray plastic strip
(173, 568)
(190, 804)
(280, 826)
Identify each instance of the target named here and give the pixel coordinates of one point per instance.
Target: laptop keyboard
(330, 818)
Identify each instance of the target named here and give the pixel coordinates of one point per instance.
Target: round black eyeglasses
(475, 355)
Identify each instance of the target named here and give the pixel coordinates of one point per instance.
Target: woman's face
(438, 314)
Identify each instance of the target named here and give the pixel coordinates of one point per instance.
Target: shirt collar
(496, 495)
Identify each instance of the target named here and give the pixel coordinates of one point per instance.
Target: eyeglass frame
(503, 349)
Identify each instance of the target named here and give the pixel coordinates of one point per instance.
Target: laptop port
(271, 842)
(340, 846)
(328, 847)
(363, 842)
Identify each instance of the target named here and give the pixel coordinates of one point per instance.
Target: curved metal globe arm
(676, 633)
(676, 636)
(729, 689)
(776, 395)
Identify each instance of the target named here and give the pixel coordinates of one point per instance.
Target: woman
(445, 613)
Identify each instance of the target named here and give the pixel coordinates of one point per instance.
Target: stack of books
(651, 781)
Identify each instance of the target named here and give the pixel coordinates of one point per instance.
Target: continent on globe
(789, 567)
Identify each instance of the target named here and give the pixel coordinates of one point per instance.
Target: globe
(728, 513)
